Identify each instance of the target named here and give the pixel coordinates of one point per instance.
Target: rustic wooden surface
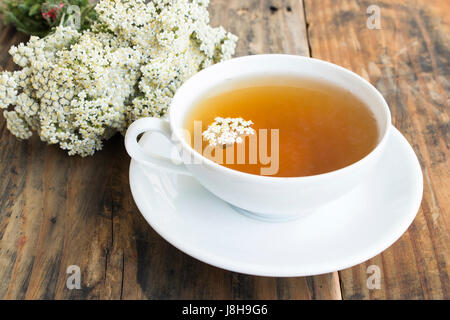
(57, 211)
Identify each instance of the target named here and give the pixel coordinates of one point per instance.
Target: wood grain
(408, 61)
(57, 211)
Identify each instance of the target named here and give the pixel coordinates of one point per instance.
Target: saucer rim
(376, 248)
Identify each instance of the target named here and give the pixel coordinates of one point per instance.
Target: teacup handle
(140, 155)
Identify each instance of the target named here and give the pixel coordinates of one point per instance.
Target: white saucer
(339, 235)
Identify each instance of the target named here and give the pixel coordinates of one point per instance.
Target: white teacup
(265, 197)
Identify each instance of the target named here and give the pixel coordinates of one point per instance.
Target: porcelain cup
(264, 197)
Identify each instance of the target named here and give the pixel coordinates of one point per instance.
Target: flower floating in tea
(227, 131)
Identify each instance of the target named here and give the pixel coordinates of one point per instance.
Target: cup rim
(260, 178)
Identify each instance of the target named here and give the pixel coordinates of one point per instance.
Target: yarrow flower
(77, 89)
(227, 131)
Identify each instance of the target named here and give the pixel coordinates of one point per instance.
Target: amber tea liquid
(321, 127)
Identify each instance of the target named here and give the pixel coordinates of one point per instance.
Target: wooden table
(57, 211)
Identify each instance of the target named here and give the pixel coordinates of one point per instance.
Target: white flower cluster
(227, 131)
(78, 89)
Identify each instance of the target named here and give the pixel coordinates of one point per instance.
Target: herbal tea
(307, 128)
